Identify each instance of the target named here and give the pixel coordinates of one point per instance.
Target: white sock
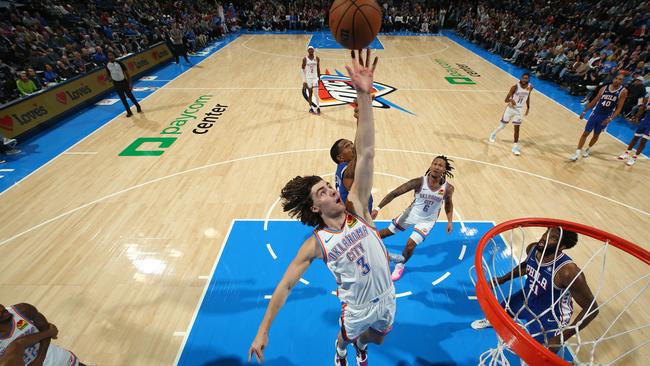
(501, 127)
(341, 352)
(362, 346)
(515, 145)
(399, 265)
(315, 96)
(397, 258)
(578, 151)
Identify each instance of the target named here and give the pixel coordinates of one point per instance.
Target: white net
(619, 332)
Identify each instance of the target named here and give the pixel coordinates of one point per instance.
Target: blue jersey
(608, 101)
(542, 293)
(338, 182)
(340, 168)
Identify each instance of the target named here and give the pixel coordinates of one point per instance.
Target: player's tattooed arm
(449, 207)
(412, 185)
(516, 272)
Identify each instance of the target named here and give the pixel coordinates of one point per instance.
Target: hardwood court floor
(111, 248)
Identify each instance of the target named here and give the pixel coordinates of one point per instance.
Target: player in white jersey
(310, 76)
(430, 192)
(14, 353)
(23, 320)
(346, 241)
(518, 95)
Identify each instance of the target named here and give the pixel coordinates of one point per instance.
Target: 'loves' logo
(102, 79)
(61, 97)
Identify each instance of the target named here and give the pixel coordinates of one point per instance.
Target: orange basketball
(355, 23)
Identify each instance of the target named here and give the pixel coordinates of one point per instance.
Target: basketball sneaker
(9, 142)
(575, 156)
(12, 152)
(493, 137)
(516, 150)
(339, 360)
(481, 324)
(397, 272)
(362, 355)
(631, 161)
(585, 154)
(624, 156)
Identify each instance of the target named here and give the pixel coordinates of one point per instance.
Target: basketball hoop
(514, 337)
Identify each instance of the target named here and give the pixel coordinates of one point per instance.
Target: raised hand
(361, 74)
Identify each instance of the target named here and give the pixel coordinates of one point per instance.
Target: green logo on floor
(155, 146)
(456, 77)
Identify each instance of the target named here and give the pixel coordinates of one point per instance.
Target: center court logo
(336, 89)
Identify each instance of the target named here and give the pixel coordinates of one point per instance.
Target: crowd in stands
(578, 44)
(278, 15)
(45, 42)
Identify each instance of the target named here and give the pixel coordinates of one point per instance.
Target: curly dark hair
(448, 166)
(296, 200)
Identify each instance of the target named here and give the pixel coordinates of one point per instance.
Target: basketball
(355, 23)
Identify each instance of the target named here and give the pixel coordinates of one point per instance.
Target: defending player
(608, 102)
(544, 301)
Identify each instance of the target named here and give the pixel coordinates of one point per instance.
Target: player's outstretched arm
(516, 272)
(361, 75)
(307, 253)
(581, 293)
(412, 185)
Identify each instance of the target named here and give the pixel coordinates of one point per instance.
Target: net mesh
(618, 281)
